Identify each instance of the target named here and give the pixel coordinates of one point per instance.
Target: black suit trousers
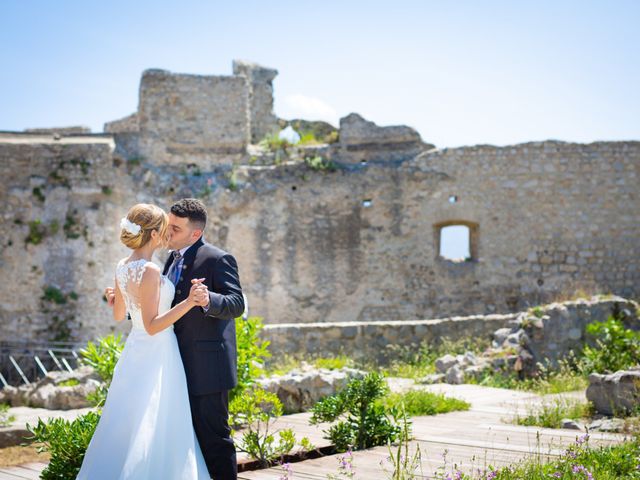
(210, 414)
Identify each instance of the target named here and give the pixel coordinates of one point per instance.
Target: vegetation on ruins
(61, 319)
(6, 418)
(321, 164)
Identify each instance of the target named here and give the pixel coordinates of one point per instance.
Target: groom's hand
(110, 295)
(201, 295)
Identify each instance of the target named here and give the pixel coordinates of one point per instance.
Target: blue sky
(460, 72)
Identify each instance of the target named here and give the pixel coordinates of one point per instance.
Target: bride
(145, 431)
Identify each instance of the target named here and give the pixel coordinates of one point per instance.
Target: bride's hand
(110, 295)
(199, 293)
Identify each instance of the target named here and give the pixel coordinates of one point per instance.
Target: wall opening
(456, 241)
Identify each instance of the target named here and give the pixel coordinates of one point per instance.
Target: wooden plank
(35, 466)
(8, 476)
(593, 436)
(20, 473)
(27, 472)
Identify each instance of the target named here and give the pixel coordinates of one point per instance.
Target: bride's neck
(144, 252)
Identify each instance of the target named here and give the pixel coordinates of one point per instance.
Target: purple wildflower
(287, 471)
(582, 439)
(582, 469)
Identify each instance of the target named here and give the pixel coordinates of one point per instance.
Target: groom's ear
(197, 233)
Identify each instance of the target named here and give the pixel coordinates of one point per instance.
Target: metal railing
(23, 362)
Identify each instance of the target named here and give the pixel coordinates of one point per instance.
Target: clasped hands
(199, 293)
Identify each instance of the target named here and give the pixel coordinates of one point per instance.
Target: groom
(206, 335)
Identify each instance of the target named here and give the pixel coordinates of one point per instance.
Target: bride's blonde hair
(149, 217)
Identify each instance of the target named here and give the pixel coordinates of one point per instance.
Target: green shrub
(37, 192)
(362, 421)
(66, 441)
(135, 161)
(567, 376)
(72, 382)
(308, 138)
(333, 363)
(332, 137)
(616, 347)
(579, 461)
(103, 357)
(257, 409)
(72, 228)
(55, 295)
(550, 414)
(537, 311)
(500, 378)
(320, 163)
(273, 143)
(232, 181)
(416, 361)
(5, 418)
(37, 232)
(420, 402)
(287, 362)
(252, 352)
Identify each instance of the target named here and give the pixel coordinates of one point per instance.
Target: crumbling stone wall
(361, 243)
(61, 205)
(548, 335)
(192, 118)
(342, 232)
(204, 120)
(260, 83)
(550, 214)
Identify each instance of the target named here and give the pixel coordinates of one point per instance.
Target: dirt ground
(18, 455)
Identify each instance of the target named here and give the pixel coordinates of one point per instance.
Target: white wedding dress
(145, 431)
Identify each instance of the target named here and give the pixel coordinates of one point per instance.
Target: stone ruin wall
(62, 202)
(198, 119)
(545, 217)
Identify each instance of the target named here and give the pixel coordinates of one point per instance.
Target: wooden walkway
(473, 439)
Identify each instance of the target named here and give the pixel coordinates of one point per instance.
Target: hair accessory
(129, 226)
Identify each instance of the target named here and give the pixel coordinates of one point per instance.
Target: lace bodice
(129, 278)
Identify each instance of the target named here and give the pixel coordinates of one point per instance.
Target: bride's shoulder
(150, 272)
(150, 266)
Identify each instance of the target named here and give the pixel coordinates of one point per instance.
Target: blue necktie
(174, 271)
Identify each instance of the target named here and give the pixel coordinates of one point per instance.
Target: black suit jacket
(207, 341)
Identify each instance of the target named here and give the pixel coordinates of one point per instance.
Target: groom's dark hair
(193, 209)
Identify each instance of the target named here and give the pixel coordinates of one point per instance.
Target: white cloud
(302, 106)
